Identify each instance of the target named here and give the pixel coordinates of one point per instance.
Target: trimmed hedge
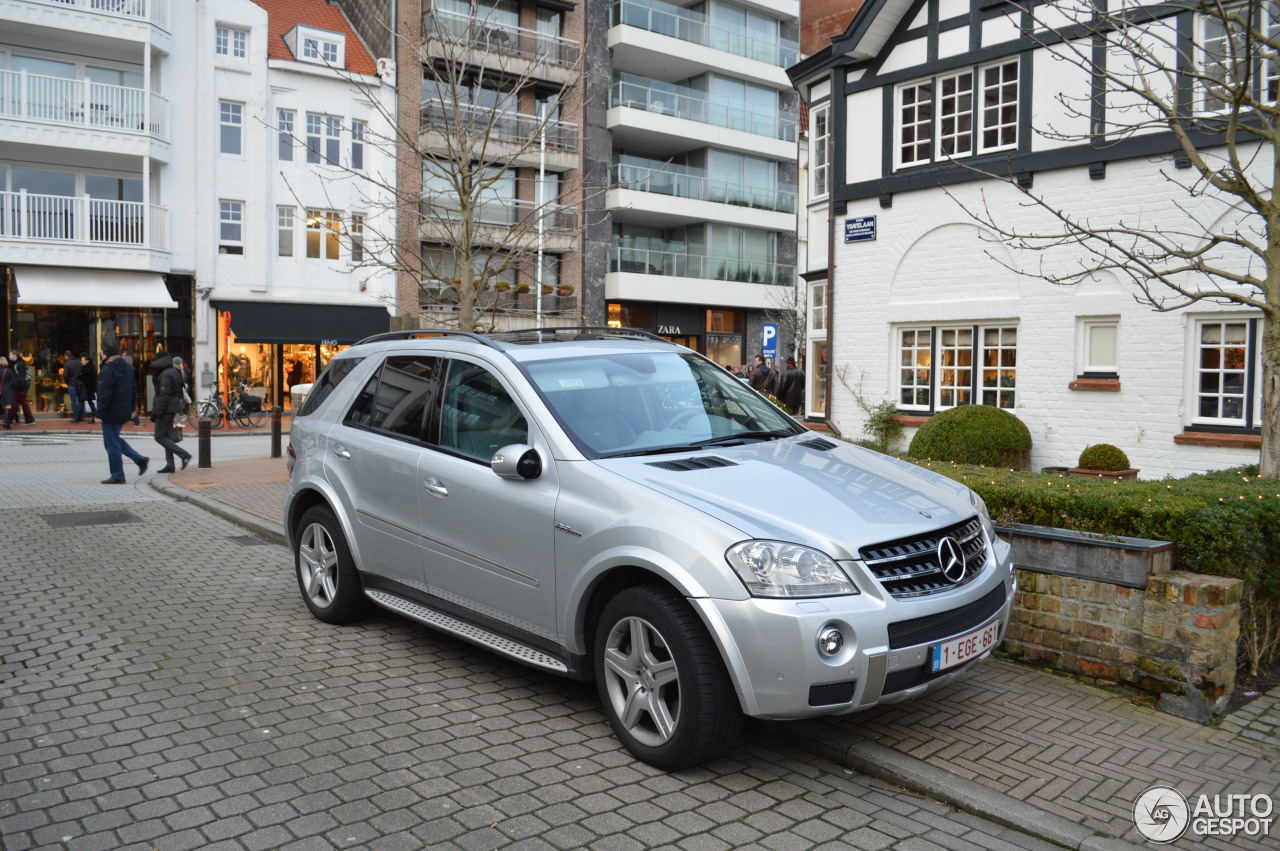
(1103, 456)
(1224, 523)
(974, 434)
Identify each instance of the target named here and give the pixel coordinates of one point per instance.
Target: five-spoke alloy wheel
(327, 574)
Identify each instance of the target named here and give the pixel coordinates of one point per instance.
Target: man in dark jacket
(88, 385)
(791, 388)
(71, 378)
(116, 391)
(166, 377)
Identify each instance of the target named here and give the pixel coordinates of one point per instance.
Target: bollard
(203, 461)
(275, 432)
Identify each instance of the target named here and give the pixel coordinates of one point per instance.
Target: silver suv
(607, 505)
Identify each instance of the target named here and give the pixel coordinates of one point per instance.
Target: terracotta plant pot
(1122, 475)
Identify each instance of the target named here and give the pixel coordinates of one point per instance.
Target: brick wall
(1176, 638)
(822, 19)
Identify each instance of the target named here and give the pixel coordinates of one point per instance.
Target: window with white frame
(820, 151)
(1224, 59)
(818, 307)
(231, 42)
(952, 115)
(322, 50)
(943, 367)
(324, 138)
(1097, 344)
(284, 231)
(324, 234)
(356, 231)
(230, 227)
(1228, 373)
(284, 132)
(357, 144)
(230, 127)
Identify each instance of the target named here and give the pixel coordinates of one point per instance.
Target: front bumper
(771, 648)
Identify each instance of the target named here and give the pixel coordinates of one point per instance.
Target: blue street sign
(860, 229)
(769, 340)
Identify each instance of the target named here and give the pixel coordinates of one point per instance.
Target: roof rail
(422, 333)
(583, 331)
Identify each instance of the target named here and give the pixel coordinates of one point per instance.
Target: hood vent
(818, 443)
(706, 462)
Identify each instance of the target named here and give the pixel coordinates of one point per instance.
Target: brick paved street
(163, 687)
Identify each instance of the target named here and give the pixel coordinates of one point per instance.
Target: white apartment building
(925, 307)
(699, 125)
(291, 110)
(90, 213)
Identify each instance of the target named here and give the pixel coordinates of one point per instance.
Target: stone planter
(1085, 555)
(1122, 475)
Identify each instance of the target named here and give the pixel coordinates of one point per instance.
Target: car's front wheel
(327, 574)
(663, 685)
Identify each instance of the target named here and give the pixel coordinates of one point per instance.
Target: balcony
(501, 222)
(509, 138)
(85, 115)
(115, 234)
(687, 25)
(681, 264)
(682, 182)
(144, 21)
(517, 50)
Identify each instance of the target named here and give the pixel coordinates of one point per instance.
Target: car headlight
(778, 569)
(983, 514)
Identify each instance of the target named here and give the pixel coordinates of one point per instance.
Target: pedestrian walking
(7, 394)
(117, 389)
(791, 388)
(21, 384)
(71, 378)
(167, 379)
(760, 375)
(88, 385)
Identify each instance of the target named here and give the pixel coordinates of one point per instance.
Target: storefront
(267, 347)
(715, 332)
(51, 311)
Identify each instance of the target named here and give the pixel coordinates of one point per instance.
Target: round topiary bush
(1103, 456)
(974, 434)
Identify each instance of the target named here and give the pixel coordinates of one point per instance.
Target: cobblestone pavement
(163, 687)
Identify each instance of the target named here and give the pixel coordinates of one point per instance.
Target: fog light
(830, 641)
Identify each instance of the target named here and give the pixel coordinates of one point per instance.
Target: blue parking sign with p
(769, 340)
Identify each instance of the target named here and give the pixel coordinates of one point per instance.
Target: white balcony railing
(153, 11)
(82, 220)
(64, 101)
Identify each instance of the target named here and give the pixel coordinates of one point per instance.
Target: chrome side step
(467, 632)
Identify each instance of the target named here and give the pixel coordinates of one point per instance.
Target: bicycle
(246, 410)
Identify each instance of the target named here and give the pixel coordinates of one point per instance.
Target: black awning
(324, 324)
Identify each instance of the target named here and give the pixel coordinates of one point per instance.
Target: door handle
(435, 487)
(341, 450)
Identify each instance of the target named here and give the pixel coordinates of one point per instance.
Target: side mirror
(517, 461)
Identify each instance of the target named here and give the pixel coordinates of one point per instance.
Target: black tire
(255, 419)
(327, 575)
(671, 702)
(206, 409)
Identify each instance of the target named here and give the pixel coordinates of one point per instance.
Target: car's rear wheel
(327, 574)
(663, 685)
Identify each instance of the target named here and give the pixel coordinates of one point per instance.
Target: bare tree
(488, 191)
(1214, 94)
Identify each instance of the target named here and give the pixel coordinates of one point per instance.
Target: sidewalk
(1049, 756)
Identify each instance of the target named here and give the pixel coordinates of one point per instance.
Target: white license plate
(957, 651)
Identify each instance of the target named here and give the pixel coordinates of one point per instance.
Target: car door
(490, 540)
(375, 452)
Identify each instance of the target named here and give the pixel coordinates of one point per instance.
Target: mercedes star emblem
(951, 559)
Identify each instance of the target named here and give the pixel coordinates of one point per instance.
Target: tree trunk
(1269, 463)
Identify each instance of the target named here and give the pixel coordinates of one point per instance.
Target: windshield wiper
(743, 436)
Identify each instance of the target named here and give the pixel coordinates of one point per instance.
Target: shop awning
(282, 322)
(90, 288)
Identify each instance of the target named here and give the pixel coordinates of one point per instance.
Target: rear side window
(478, 417)
(397, 397)
(338, 369)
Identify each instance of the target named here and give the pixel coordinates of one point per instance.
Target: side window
(478, 417)
(406, 389)
(338, 369)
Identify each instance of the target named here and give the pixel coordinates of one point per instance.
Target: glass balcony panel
(684, 102)
(488, 34)
(687, 25)
(624, 257)
(446, 117)
(682, 182)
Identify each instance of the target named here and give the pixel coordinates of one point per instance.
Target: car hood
(836, 499)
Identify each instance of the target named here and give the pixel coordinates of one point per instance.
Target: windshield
(655, 402)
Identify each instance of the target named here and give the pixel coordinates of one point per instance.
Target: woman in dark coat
(8, 393)
(88, 385)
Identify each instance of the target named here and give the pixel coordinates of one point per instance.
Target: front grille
(908, 567)
(931, 628)
(832, 693)
(910, 678)
(705, 462)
